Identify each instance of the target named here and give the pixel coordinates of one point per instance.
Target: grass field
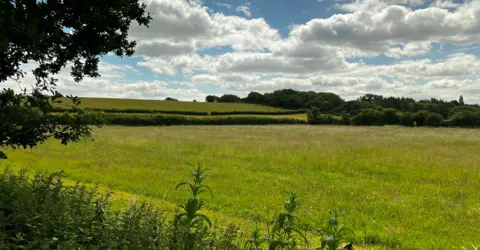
(417, 187)
(108, 103)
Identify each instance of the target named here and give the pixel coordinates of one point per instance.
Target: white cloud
(323, 54)
(180, 27)
(245, 10)
(372, 31)
(162, 48)
(225, 5)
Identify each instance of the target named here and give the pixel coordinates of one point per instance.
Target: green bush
(369, 117)
(391, 116)
(406, 119)
(314, 116)
(42, 213)
(433, 120)
(288, 112)
(420, 117)
(346, 120)
(137, 111)
(464, 118)
(169, 120)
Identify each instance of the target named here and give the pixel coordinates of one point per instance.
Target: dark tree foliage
(369, 117)
(211, 98)
(407, 119)
(433, 120)
(171, 99)
(254, 97)
(55, 34)
(420, 117)
(229, 98)
(464, 118)
(390, 116)
(293, 99)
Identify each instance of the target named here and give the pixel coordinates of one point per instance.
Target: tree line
(369, 109)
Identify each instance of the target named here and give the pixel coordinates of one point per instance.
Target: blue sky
(194, 48)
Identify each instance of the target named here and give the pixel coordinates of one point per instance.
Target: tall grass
(398, 187)
(42, 213)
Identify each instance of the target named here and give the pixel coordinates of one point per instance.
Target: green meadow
(414, 188)
(111, 103)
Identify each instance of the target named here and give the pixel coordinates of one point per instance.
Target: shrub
(287, 112)
(433, 120)
(391, 117)
(346, 120)
(315, 117)
(45, 214)
(406, 119)
(42, 213)
(369, 117)
(169, 120)
(420, 117)
(464, 119)
(138, 111)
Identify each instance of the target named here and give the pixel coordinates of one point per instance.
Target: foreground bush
(42, 213)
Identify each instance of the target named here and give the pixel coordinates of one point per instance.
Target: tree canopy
(54, 34)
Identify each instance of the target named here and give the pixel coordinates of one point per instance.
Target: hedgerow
(170, 120)
(292, 112)
(136, 111)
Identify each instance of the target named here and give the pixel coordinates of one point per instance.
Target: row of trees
(333, 104)
(380, 117)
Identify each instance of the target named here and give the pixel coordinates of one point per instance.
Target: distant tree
(420, 117)
(314, 116)
(369, 117)
(171, 99)
(229, 98)
(254, 97)
(433, 120)
(465, 118)
(55, 35)
(460, 100)
(194, 100)
(346, 120)
(407, 119)
(391, 116)
(211, 98)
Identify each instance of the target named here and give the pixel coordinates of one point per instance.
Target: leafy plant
(191, 227)
(256, 240)
(285, 231)
(336, 235)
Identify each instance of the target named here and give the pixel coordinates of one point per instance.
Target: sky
(415, 48)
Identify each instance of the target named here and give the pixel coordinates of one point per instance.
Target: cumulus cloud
(245, 10)
(180, 27)
(322, 54)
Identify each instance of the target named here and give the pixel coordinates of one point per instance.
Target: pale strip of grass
(111, 103)
(416, 186)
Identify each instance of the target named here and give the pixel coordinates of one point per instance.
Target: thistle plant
(336, 235)
(285, 231)
(191, 227)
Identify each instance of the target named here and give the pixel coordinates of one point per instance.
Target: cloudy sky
(414, 48)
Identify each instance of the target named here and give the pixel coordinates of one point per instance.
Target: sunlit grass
(414, 186)
(111, 103)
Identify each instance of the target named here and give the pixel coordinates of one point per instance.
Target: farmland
(416, 187)
(110, 103)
